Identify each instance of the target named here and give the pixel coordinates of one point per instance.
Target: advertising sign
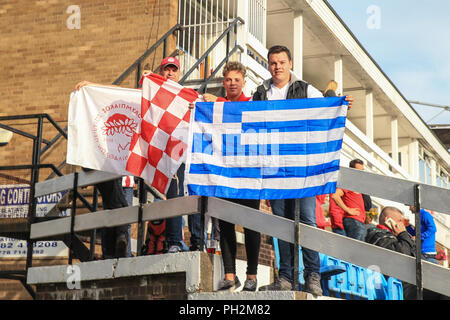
(14, 201)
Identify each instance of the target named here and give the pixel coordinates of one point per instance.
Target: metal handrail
(138, 62)
(35, 166)
(35, 116)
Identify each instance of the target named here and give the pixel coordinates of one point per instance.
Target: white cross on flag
(159, 143)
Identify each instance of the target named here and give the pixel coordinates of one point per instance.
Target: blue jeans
(430, 258)
(354, 229)
(174, 226)
(286, 208)
(339, 231)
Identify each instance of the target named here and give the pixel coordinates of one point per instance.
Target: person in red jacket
(321, 221)
(352, 203)
(234, 82)
(336, 217)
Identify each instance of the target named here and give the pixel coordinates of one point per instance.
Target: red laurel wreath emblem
(119, 123)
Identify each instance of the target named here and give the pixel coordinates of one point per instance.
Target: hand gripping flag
(158, 144)
(282, 149)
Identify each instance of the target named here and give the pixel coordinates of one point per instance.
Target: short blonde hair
(332, 85)
(234, 66)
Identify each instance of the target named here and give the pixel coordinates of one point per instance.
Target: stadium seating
(395, 289)
(345, 280)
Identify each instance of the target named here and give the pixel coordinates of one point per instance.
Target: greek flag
(282, 149)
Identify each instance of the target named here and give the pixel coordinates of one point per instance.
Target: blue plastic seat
(349, 280)
(360, 285)
(329, 267)
(369, 284)
(394, 289)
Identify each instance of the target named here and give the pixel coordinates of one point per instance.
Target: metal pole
(138, 74)
(296, 244)
(72, 215)
(142, 201)
(94, 232)
(165, 48)
(203, 210)
(419, 280)
(228, 45)
(34, 179)
(205, 73)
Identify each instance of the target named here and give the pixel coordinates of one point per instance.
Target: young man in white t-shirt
(285, 85)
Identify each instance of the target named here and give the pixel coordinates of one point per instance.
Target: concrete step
(180, 276)
(258, 295)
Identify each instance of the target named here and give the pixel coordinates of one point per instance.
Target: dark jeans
(228, 242)
(286, 208)
(174, 226)
(339, 231)
(113, 197)
(355, 229)
(128, 191)
(430, 257)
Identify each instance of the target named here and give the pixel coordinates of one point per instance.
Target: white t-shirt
(275, 93)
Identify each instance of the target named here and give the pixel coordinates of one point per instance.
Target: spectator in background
(330, 90)
(352, 203)
(336, 217)
(428, 234)
(392, 235)
(321, 221)
(367, 202)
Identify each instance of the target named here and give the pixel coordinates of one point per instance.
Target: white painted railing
(203, 22)
(257, 19)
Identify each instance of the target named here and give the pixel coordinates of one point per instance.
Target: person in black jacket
(393, 236)
(330, 90)
(285, 85)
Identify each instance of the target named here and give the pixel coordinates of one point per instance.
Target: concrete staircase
(177, 276)
(259, 295)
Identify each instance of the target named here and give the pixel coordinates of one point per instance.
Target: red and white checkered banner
(159, 143)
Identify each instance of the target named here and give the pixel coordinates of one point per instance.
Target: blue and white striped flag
(281, 149)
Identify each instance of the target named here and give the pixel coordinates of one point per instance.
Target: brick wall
(153, 287)
(42, 59)
(438, 248)
(13, 289)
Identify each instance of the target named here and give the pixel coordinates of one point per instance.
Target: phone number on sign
(20, 248)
